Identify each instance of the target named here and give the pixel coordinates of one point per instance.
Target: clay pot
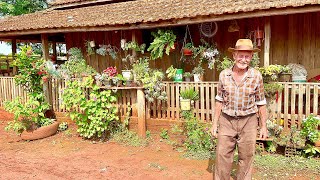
(317, 143)
(187, 52)
(42, 132)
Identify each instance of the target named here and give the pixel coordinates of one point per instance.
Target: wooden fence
(293, 104)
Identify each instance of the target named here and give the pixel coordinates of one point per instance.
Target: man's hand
(263, 133)
(214, 131)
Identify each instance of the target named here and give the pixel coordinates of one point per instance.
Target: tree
(18, 7)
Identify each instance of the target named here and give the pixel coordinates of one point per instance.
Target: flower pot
(187, 52)
(185, 104)
(92, 44)
(187, 79)
(99, 83)
(317, 143)
(285, 77)
(107, 83)
(178, 76)
(126, 74)
(42, 132)
(197, 77)
(258, 34)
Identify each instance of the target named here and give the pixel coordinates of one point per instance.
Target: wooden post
(14, 51)
(54, 47)
(134, 39)
(45, 46)
(141, 113)
(267, 38)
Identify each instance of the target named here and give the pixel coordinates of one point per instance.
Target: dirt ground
(69, 157)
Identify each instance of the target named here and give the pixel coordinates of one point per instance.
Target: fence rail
(293, 104)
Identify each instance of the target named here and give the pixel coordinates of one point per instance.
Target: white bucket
(299, 78)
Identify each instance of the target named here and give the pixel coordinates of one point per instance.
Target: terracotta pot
(187, 52)
(258, 34)
(317, 143)
(42, 132)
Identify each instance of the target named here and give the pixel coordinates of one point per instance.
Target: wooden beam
(141, 113)
(45, 46)
(134, 38)
(54, 48)
(267, 40)
(171, 22)
(14, 51)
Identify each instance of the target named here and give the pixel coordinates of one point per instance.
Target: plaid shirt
(241, 99)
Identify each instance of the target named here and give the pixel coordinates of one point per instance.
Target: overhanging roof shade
(146, 13)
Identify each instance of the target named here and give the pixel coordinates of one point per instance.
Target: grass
(129, 138)
(280, 167)
(157, 166)
(200, 155)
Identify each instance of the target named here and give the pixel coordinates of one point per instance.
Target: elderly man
(240, 96)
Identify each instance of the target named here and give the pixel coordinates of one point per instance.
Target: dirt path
(70, 157)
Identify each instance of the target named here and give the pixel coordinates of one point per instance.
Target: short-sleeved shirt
(241, 99)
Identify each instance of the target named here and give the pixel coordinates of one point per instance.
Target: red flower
(111, 71)
(45, 79)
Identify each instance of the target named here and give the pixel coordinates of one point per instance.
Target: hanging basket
(187, 52)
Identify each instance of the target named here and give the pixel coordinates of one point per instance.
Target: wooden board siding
(296, 39)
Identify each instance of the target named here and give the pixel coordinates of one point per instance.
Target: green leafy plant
(133, 45)
(271, 89)
(187, 74)
(90, 48)
(164, 134)
(198, 70)
(224, 64)
(189, 93)
(171, 72)
(272, 72)
(310, 128)
(292, 138)
(63, 126)
(92, 110)
(311, 151)
(163, 41)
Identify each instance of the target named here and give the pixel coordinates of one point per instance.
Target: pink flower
(111, 71)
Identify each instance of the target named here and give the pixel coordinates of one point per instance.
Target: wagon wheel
(208, 29)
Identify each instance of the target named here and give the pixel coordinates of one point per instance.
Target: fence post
(47, 89)
(141, 113)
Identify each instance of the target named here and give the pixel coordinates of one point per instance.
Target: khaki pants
(241, 131)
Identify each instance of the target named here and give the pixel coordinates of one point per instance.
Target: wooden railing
(293, 104)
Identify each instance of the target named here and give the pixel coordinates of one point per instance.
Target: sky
(4, 48)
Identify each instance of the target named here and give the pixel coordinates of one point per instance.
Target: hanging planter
(187, 52)
(187, 49)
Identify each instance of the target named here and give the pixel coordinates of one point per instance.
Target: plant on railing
(163, 41)
(76, 65)
(271, 89)
(190, 93)
(272, 72)
(29, 115)
(171, 72)
(91, 110)
(150, 79)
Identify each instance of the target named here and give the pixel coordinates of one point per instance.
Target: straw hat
(244, 45)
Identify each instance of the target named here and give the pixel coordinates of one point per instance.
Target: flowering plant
(109, 73)
(206, 52)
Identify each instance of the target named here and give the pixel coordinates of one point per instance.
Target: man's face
(242, 58)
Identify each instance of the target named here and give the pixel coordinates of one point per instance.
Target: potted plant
(206, 53)
(118, 80)
(188, 49)
(198, 72)
(187, 97)
(187, 76)
(310, 129)
(285, 74)
(108, 74)
(134, 46)
(171, 72)
(90, 45)
(163, 41)
(224, 64)
(271, 73)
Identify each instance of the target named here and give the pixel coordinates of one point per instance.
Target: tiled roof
(139, 11)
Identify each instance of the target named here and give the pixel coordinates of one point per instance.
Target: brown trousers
(235, 131)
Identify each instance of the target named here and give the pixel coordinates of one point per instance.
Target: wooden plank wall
(296, 39)
(9, 90)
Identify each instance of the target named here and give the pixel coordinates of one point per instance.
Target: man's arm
(263, 121)
(217, 112)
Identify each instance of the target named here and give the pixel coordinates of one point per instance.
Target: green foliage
(95, 112)
(63, 126)
(18, 7)
(310, 128)
(189, 93)
(31, 70)
(27, 114)
(90, 50)
(151, 80)
(272, 72)
(271, 147)
(224, 64)
(163, 41)
(293, 138)
(280, 167)
(187, 75)
(255, 60)
(76, 65)
(129, 138)
(198, 134)
(198, 70)
(171, 72)
(164, 134)
(135, 46)
(311, 151)
(271, 89)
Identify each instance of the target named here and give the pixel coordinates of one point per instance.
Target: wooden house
(290, 35)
